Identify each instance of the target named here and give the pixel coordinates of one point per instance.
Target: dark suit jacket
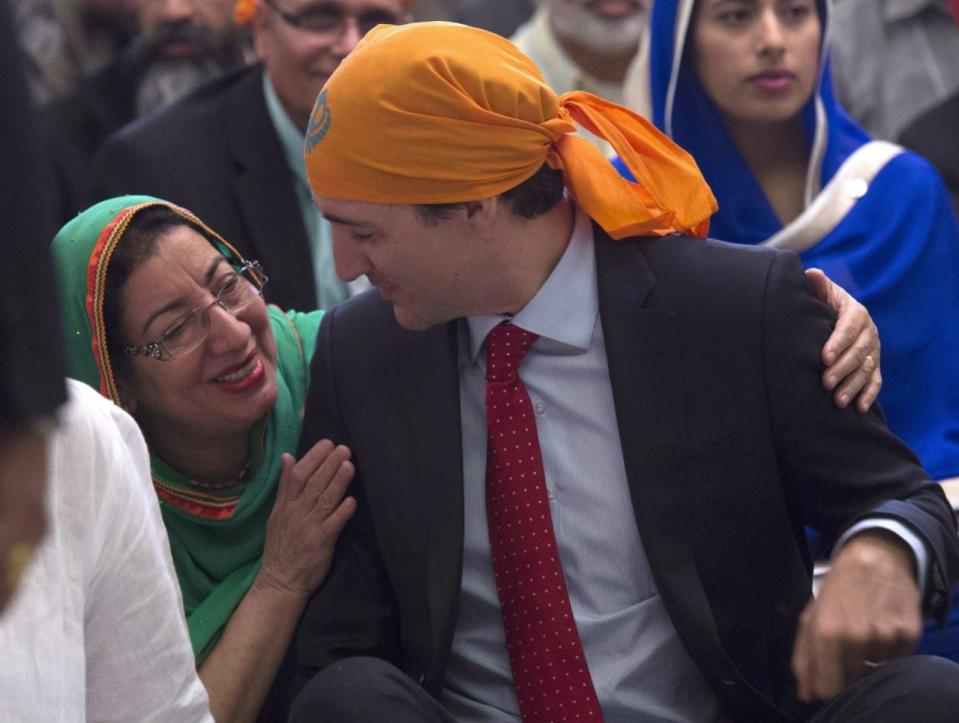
(216, 153)
(730, 443)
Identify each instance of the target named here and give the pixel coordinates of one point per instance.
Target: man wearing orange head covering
(614, 531)
(232, 151)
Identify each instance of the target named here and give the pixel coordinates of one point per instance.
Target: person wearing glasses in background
(233, 151)
(167, 319)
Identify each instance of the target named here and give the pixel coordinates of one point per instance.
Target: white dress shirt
(639, 667)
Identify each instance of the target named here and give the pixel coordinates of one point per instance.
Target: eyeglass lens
(185, 334)
(331, 17)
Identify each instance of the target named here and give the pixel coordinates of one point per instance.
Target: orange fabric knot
(243, 13)
(559, 126)
(670, 194)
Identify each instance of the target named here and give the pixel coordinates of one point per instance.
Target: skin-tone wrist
(877, 549)
(269, 586)
(867, 613)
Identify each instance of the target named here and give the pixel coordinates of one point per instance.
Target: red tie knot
(506, 346)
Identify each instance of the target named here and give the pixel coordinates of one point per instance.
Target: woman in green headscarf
(165, 318)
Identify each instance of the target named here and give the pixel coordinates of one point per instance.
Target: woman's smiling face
(221, 387)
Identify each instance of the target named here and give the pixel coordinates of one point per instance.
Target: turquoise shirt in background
(330, 290)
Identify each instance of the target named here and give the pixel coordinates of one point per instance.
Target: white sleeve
(140, 665)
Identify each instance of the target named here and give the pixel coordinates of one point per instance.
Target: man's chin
(612, 38)
(412, 321)
(169, 79)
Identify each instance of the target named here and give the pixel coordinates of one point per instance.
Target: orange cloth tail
(669, 185)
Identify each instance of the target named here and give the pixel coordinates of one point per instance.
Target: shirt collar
(565, 307)
(291, 139)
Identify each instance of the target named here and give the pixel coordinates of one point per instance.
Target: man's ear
(482, 213)
(258, 30)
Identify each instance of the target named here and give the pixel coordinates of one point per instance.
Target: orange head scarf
(444, 113)
(243, 12)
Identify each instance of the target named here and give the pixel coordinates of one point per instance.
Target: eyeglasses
(238, 290)
(329, 18)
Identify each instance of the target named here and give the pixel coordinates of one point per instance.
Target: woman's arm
(307, 518)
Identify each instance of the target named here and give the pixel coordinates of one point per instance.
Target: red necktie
(549, 668)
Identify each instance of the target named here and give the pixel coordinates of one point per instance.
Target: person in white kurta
(96, 630)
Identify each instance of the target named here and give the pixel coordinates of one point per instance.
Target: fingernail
(843, 400)
(831, 381)
(830, 356)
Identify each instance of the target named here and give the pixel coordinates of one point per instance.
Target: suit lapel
(645, 363)
(266, 198)
(429, 394)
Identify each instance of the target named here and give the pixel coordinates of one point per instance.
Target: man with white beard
(590, 45)
(180, 44)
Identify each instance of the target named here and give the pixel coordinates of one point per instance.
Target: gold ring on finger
(869, 363)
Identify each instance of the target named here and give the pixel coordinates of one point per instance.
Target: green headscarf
(216, 535)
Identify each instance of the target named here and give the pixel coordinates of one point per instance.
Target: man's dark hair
(533, 197)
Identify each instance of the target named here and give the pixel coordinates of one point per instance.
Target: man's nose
(173, 11)
(351, 262)
(350, 36)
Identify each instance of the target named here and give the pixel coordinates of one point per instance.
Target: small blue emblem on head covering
(319, 123)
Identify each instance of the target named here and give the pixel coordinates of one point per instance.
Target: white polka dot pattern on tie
(550, 674)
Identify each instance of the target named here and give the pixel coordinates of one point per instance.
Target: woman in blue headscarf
(744, 86)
